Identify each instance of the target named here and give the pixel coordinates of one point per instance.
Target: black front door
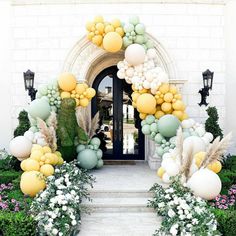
(119, 121)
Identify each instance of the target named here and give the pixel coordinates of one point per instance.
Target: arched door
(119, 121)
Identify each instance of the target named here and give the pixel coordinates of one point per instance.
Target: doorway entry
(120, 125)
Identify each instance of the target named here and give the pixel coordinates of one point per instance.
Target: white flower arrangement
(58, 208)
(183, 213)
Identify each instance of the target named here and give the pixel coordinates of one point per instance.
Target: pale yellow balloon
(199, 157)
(120, 31)
(109, 28)
(84, 102)
(90, 35)
(185, 116)
(77, 102)
(134, 104)
(100, 27)
(47, 170)
(47, 149)
(159, 101)
(146, 103)
(116, 23)
(159, 114)
(31, 164)
(135, 96)
(166, 107)
(90, 93)
(89, 25)
(178, 105)
(97, 39)
(142, 116)
(65, 94)
(178, 96)
(164, 88)
(98, 19)
(36, 154)
(36, 147)
(215, 166)
(22, 164)
(60, 161)
(112, 42)
(178, 114)
(80, 89)
(173, 89)
(67, 82)
(168, 97)
(160, 172)
(32, 182)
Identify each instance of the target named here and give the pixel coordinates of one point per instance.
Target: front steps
(116, 210)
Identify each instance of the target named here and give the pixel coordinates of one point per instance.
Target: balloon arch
(60, 130)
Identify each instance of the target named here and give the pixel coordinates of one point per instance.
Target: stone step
(116, 204)
(119, 224)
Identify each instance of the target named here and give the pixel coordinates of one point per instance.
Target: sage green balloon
(168, 125)
(99, 153)
(143, 122)
(128, 28)
(146, 129)
(99, 164)
(159, 138)
(154, 127)
(87, 159)
(160, 151)
(95, 147)
(95, 141)
(150, 119)
(43, 90)
(140, 29)
(134, 20)
(80, 148)
(139, 39)
(39, 108)
(149, 44)
(153, 134)
(126, 42)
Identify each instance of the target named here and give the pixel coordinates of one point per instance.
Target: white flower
(171, 213)
(73, 192)
(72, 217)
(189, 216)
(57, 182)
(73, 222)
(64, 208)
(167, 196)
(55, 231)
(195, 221)
(174, 229)
(161, 204)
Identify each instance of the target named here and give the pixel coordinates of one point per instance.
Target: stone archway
(86, 61)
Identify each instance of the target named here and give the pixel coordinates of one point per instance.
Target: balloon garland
(160, 107)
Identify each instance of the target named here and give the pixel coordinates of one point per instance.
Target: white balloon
(166, 155)
(209, 136)
(166, 162)
(120, 74)
(120, 64)
(193, 144)
(193, 168)
(205, 184)
(172, 169)
(146, 84)
(192, 122)
(200, 131)
(166, 178)
(29, 135)
(135, 54)
(186, 124)
(20, 147)
(149, 76)
(151, 53)
(163, 77)
(130, 72)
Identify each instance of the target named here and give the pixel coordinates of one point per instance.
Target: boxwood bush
(8, 176)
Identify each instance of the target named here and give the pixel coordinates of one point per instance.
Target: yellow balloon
(80, 89)
(36, 154)
(97, 39)
(178, 96)
(47, 149)
(146, 103)
(120, 31)
(178, 114)
(135, 96)
(199, 157)
(77, 102)
(90, 93)
(164, 88)
(31, 164)
(89, 25)
(67, 82)
(90, 35)
(112, 42)
(47, 170)
(185, 116)
(173, 89)
(60, 161)
(22, 164)
(143, 91)
(57, 153)
(166, 107)
(168, 97)
(32, 182)
(36, 147)
(84, 102)
(159, 114)
(100, 27)
(65, 94)
(142, 116)
(98, 19)
(160, 172)
(178, 105)
(160, 101)
(215, 166)
(109, 28)
(116, 23)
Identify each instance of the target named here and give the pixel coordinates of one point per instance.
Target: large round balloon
(32, 182)
(135, 54)
(112, 42)
(87, 159)
(193, 144)
(146, 103)
(205, 184)
(39, 108)
(67, 82)
(20, 147)
(168, 125)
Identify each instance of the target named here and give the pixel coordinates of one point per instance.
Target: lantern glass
(28, 79)
(208, 79)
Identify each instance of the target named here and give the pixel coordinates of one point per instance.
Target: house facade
(48, 37)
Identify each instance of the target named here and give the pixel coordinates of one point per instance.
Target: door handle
(120, 131)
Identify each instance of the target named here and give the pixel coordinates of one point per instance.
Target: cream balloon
(166, 178)
(135, 54)
(20, 147)
(172, 169)
(205, 184)
(193, 144)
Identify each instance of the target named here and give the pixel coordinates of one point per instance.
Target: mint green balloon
(145, 47)
(146, 129)
(159, 138)
(133, 33)
(39, 108)
(140, 29)
(149, 44)
(150, 119)
(87, 159)
(128, 28)
(134, 20)
(126, 42)
(95, 141)
(145, 38)
(100, 164)
(139, 39)
(166, 149)
(160, 151)
(95, 147)
(153, 134)
(168, 125)
(99, 153)
(143, 122)
(154, 128)
(80, 148)
(38, 95)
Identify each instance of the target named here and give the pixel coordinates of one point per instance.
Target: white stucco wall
(193, 35)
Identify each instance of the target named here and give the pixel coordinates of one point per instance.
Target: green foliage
(24, 124)
(230, 163)
(228, 178)
(212, 124)
(226, 221)
(8, 176)
(67, 129)
(7, 162)
(17, 224)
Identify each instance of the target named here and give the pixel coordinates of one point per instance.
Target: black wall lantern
(207, 85)
(29, 84)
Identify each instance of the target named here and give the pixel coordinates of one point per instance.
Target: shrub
(8, 176)
(230, 163)
(8, 162)
(228, 178)
(17, 224)
(226, 221)
(24, 124)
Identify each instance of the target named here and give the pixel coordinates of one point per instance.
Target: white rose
(55, 231)
(64, 208)
(73, 222)
(171, 213)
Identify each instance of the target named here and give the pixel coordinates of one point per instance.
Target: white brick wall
(191, 33)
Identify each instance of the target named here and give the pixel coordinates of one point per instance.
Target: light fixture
(29, 84)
